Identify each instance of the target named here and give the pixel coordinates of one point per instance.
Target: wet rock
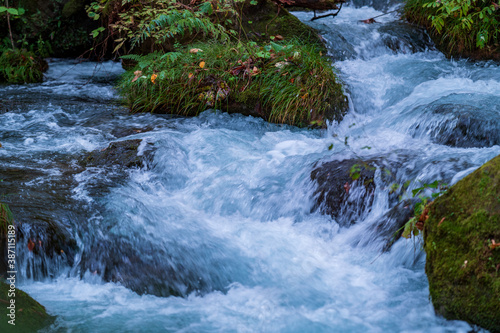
(43, 215)
(463, 262)
(338, 47)
(405, 38)
(463, 123)
(345, 189)
(30, 316)
(390, 225)
(121, 153)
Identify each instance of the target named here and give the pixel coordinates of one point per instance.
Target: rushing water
(223, 209)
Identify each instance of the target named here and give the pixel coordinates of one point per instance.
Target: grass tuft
(282, 82)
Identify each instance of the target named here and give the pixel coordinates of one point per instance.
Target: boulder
(345, 189)
(30, 316)
(43, 216)
(124, 154)
(461, 239)
(464, 122)
(405, 38)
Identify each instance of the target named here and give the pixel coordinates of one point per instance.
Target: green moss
(267, 20)
(283, 83)
(463, 269)
(21, 66)
(30, 316)
(72, 7)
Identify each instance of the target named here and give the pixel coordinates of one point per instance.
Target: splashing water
(223, 213)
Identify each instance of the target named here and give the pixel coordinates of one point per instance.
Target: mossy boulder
(30, 316)
(345, 189)
(463, 262)
(276, 70)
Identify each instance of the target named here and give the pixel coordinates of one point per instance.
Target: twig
(372, 19)
(323, 16)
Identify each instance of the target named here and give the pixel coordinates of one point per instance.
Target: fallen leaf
(292, 80)
(190, 75)
(369, 21)
(137, 75)
(494, 245)
(202, 64)
(153, 78)
(441, 221)
(255, 71)
(237, 70)
(195, 50)
(31, 245)
(347, 187)
(278, 37)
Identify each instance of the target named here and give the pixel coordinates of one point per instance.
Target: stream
(221, 214)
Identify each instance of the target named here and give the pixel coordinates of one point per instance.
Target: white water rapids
(227, 199)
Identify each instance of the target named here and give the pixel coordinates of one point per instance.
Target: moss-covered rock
(273, 67)
(30, 316)
(463, 264)
(286, 82)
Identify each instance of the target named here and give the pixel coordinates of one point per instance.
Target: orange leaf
(190, 75)
(153, 78)
(202, 64)
(494, 245)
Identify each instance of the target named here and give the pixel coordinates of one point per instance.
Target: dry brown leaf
(137, 75)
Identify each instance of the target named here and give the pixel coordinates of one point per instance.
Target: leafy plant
(135, 21)
(462, 25)
(416, 223)
(21, 66)
(15, 12)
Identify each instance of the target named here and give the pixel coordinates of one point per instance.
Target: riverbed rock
(30, 316)
(125, 154)
(345, 189)
(461, 238)
(43, 215)
(464, 123)
(402, 37)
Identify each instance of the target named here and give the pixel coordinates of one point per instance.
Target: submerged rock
(43, 215)
(464, 123)
(463, 258)
(405, 38)
(127, 154)
(345, 189)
